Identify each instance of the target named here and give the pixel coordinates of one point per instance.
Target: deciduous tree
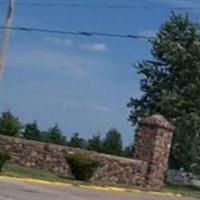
(170, 83)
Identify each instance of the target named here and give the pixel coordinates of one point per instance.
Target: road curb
(30, 180)
(107, 188)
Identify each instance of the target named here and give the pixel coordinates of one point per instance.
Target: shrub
(82, 167)
(4, 156)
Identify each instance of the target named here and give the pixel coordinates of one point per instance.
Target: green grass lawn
(18, 171)
(14, 170)
(184, 190)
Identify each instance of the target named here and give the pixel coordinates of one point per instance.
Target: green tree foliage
(128, 151)
(32, 132)
(55, 135)
(77, 141)
(112, 143)
(44, 136)
(95, 144)
(171, 86)
(10, 125)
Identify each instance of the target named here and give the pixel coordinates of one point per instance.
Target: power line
(100, 6)
(79, 33)
(86, 1)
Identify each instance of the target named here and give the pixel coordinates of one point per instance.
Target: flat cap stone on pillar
(156, 120)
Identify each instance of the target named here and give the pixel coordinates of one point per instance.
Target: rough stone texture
(52, 158)
(151, 151)
(153, 144)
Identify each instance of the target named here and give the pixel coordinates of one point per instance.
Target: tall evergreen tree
(55, 135)
(77, 141)
(32, 132)
(171, 86)
(112, 143)
(128, 151)
(10, 125)
(95, 143)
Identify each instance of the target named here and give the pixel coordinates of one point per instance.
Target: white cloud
(82, 107)
(72, 65)
(95, 47)
(59, 41)
(101, 108)
(148, 33)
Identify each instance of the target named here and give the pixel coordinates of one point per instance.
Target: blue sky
(81, 83)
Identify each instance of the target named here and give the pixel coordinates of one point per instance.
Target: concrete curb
(107, 188)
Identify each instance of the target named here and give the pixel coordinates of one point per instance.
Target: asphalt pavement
(19, 190)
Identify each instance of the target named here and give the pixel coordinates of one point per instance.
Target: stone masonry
(152, 145)
(147, 169)
(51, 157)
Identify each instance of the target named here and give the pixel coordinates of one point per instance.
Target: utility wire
(79, 33)
(101, 6)
(88, 1)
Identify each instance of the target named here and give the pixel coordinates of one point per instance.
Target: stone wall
(152, 149)
(52, 158)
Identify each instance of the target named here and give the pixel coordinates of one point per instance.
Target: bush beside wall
(4, 156)
(81, 166)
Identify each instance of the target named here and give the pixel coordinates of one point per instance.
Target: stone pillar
(152, 145)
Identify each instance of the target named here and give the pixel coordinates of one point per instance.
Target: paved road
(15, 190)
